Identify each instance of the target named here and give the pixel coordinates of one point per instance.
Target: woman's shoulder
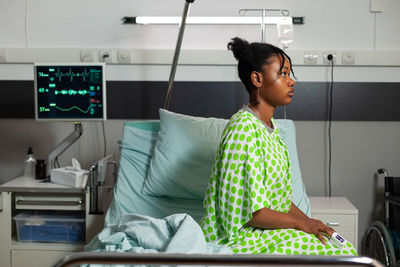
(241, 117)
(243, 121)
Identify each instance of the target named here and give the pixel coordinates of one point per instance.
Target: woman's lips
(291, 93)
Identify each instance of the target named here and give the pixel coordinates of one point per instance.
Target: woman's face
(276, 83)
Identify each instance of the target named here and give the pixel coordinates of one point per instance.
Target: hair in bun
(241, 49)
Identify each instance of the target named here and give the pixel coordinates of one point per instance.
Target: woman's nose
(291, 82)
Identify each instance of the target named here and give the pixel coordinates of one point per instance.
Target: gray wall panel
(141, 99)
(16, 99)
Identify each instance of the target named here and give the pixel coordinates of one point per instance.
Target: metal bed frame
(212, 259)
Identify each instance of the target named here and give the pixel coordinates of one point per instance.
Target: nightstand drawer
(43, 201)
(340, 222)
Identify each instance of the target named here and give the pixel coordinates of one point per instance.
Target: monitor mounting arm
(60, 148)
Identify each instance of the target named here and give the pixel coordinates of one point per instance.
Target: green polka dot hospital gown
(251, 171)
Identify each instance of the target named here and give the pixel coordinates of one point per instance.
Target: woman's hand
(295, 219)
(314, 226)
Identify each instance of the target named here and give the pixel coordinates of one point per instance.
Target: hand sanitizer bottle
(30, 165)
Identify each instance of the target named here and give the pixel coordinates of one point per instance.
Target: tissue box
(69, 177)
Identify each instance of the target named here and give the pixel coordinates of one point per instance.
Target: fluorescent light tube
(212, 20)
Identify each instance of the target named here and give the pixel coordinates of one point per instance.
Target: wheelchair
(382, 239)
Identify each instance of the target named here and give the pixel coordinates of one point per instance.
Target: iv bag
(285, 31)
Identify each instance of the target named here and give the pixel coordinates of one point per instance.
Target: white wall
(92, 23)
(359, 148)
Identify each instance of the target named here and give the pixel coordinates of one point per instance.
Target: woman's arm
(296, 211)
(270, 219)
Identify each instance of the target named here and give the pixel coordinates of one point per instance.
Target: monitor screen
(70, 92)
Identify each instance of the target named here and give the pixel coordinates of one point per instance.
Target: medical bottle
(40, 169)
(30, 164)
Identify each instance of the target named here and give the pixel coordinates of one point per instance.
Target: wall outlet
(106, 55)
(325, 59)
(348, 58)
(124, 56)
(87, 55)
(311, 58)
(3, 55)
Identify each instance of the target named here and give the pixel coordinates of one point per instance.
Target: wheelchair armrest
(393, 199)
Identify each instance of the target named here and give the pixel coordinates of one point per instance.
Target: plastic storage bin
(50, 226)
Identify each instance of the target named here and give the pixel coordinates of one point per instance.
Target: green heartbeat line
(68, 109)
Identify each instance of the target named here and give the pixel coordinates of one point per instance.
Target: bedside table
(26, 194)
(338, 213)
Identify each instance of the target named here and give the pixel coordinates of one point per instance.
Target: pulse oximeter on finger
(337, 240)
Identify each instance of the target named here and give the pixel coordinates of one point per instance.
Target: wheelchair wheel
(378, 244)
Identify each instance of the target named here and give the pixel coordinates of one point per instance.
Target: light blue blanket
(178, 233)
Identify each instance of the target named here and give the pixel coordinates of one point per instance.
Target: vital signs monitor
(70, 91)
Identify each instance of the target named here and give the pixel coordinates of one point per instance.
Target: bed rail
(211, 259)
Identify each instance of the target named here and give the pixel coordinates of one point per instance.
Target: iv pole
(176, 54)
(284, 13)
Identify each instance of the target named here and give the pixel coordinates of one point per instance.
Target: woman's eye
(283, 73)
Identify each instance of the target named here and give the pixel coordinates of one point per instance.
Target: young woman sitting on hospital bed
(248, 200)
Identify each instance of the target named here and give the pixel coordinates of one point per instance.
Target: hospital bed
(158, 199)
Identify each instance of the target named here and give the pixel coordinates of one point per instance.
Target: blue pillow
(185, 151)
(137, 148)
(183, 156)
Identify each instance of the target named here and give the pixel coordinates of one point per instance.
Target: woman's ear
(256, 79)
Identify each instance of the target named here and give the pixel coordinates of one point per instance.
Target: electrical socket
(325, 60)
(87, 55)
(311, 58)
(3, 55)
(106, 55)
(348, 58)
(124, 56)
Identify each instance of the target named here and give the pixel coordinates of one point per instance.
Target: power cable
(330, 58)
(104, 139)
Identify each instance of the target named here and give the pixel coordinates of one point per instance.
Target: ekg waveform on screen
(69, 92)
